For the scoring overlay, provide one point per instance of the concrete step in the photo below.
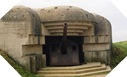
(84, 66)
(103, 67)
(73, 73)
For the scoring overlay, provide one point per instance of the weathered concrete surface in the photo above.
(101, 41)
(35, 62)
(15, 28)
(64, 13)
(75, 28)
(31, 49)
(74, 71)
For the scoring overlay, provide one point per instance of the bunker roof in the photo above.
(20, 13)
(65, 13)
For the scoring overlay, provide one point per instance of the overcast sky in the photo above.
(102, 7)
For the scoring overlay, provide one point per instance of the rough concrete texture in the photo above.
(15, 28)
(35, 62)
(23, 32)
(102, 40)
(74, 71)
(31, 49)
(65, 13)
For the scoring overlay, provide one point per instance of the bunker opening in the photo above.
(55, 57)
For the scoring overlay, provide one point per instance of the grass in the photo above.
(122, 43)
(17, 67)
(119, 53)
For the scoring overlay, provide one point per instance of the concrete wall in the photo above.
(35, 62)
(12, 36)
(97, 56)
(31, 49)
(98, 47)
(15, 28)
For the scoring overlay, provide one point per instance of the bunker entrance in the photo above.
(73, 56)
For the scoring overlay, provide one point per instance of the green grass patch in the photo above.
(122, 43)
(17, 67)
(119, 53)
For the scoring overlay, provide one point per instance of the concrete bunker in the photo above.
(32, 37)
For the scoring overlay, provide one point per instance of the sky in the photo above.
(104, 8)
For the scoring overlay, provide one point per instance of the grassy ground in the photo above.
(122, 43)
(119, 53)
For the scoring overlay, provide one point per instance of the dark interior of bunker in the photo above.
(54, 57)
